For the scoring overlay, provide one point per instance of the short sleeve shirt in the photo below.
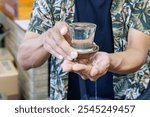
(124, 14)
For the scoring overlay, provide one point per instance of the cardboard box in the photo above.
(5, 55)
(9, 80)
(36, 78)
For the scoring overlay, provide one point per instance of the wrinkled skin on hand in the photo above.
(91, 66)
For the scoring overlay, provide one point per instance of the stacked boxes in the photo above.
(5, 55)
(33, 84)
(8, 80)
(8, 75)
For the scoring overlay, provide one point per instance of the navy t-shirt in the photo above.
(98, 12)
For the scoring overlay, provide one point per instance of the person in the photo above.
(120, 70)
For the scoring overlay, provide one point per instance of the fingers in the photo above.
(56, 44)
(67, 65)
(61, 41)
(62, 27)
(99, 69)
(83, 70)
(83, 76)
(90, 68)
(80, 67)
(94, 71)
(52, 51)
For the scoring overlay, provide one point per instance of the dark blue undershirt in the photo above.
(98, 12)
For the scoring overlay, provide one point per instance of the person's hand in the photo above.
(91, 68)
(57, 41)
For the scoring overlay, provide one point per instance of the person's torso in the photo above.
(125, 86)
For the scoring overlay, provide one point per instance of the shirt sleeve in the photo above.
(41, 17)
(140, 16)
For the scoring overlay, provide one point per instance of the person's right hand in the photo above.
(57, 41)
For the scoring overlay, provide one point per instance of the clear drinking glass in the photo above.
(82, 34)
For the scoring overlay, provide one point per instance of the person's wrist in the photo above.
(110, 67)
(115, 62)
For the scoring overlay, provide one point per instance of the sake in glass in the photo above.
(82, 35)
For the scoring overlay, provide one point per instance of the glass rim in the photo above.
(83, 24)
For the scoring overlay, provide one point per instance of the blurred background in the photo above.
(17, 9)
(15, 83)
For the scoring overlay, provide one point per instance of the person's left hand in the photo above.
(91, 68)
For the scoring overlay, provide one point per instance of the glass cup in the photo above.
(82, 35)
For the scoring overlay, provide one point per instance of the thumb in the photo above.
(62, 27)
(64, 30)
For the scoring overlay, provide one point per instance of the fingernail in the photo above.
(63, 30)
(74, 55)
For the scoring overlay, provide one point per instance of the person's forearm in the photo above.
(126, 62)
(31, 53)
(135, 55)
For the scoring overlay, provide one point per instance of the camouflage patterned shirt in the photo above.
(125, 14)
